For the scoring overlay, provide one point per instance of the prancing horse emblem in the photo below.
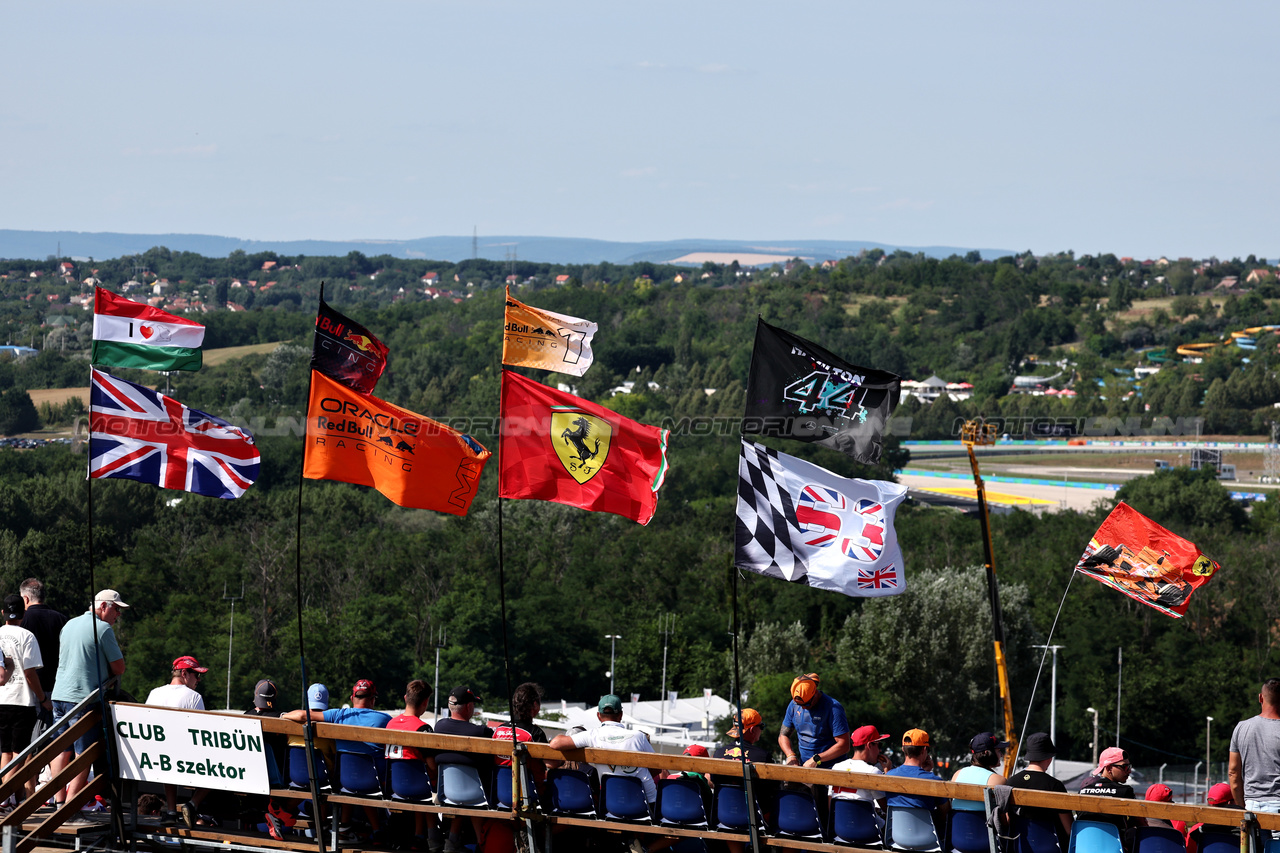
(581, 442)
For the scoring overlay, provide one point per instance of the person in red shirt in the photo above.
(1160, 793)
(426, 829)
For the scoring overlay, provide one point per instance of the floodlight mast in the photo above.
(979, 434)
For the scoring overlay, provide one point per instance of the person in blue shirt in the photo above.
(916, 764)
(820, 723)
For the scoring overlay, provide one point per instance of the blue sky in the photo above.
(1140, 128)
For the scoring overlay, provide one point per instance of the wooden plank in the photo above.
(400, 805)
(70, 808)
(60, 744)
(30, 805)
(223, 835)
(646, 828)
(799, 844)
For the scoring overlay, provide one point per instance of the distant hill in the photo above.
(563, 250)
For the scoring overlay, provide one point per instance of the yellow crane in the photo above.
(978, 434)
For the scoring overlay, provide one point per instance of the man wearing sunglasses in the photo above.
(1108, 780)
(180, 693)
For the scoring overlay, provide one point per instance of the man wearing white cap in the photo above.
(83, 665)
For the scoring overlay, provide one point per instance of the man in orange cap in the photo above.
(915, 748)
(819, 721)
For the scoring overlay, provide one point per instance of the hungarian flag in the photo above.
(1133, 554)
(535, 337)
(139, 434)
(801, 523)
(557, 447)
(346, 351)
(132, 334)
(801, 391)
(414, 461)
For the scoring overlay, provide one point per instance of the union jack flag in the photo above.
(878, 578)
(139, 434)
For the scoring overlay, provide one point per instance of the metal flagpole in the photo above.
(308, 726)
(747, 790)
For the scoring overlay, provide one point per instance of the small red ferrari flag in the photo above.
(558, 447)
(413, 460)
(1133, 554)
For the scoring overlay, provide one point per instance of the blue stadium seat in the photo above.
(853, 822)
(299, 778)
(1219, 842)
(967, 832)
(907, 828)
(797, 815)
(572, 793)
(1095, 836)
(408, 780)
(360, 773)
(622, 798)
(1036, 836)
(461, 785)
(502, 788)
(680, 803)
(1159, 839)
(731, 812)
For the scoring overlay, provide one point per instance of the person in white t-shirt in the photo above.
(21, 695)
(180, 693)
(612, 734)
(866, 759)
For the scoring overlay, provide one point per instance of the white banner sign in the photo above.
(196, 750)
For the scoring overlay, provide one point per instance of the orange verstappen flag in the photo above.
(558, 447)
(534, 337)
(414, 461)
(1133, 554)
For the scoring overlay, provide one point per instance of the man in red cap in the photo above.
(1219, 795)
(867, 758)
(1161, 793)
(180, 693)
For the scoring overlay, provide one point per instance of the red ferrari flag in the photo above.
(1133, 554)
(558, 447)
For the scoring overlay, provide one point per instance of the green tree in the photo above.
(17, 412)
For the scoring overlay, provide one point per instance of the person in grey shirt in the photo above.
(1254, 765)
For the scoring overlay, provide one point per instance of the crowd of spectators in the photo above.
(814, 732)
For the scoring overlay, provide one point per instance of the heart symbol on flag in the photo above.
(147, 331)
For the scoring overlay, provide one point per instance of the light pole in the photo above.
(1053, 703)
(1093, 711)
(613, 644)
(1119, 684)
(435, 696)
(1208, 764)
(666, 622)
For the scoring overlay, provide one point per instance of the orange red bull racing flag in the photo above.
(1133, 554)
(535, 337)
(558, 447)
(346, 351)
(414, 461)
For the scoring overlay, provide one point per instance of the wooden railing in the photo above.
(773, 773)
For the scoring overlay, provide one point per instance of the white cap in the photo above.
(109, 596)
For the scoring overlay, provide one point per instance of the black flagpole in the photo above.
(747, 788)
(308, 727)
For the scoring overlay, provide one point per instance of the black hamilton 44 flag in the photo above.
(347, 351)
(802, 391)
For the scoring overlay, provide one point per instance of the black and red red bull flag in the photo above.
(801, 391)
(412, 460)
(346, 351)
(558, 447)
(1133, 554)
(801, 523)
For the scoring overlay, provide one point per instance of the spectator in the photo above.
(820, 722)
(425, 828)
(916, 746)
(1254, 761)
(264, 705)
(1160, 793)
(526, 702)
(750, 727)
(83, 666)
(326, 749)
(180, 693)
(46, 623)
(462, 706)
(867, 758)
(985, 754)
(1108, 780)
(23, 692)
(361, 713)
(1219, 795)
(1039, 753)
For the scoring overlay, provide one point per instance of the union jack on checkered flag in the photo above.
(804, 524)
(139, 434)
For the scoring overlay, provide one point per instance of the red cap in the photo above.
(1220, 794)
(188, 662)
(696, 749)
(865, 735)
(1160, 793)
(363, 688)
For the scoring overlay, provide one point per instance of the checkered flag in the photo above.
(801, 523)
(766, 528)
